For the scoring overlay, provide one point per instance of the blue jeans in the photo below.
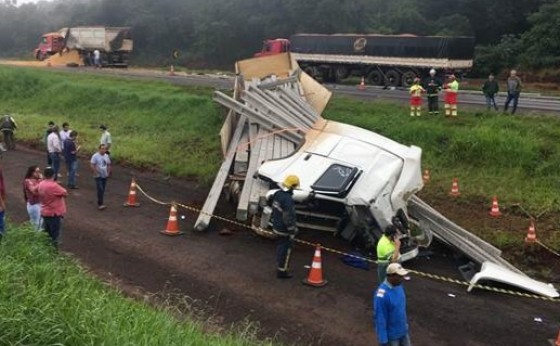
(514, 96)
(491, 102)
(72, 167)
(55, 161)
(100, 185)
(34, 211)
(53, 226)
(404, 341)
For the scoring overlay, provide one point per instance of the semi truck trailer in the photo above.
(391, 60)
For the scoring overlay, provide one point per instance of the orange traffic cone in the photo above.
(531, 234)
(362, 85)
(315, 277)
(426, 176)
(49, 64)
(557, 342)
(455, 188)
(171, 70)
(172, 225)
(495, 211)
(131, 201)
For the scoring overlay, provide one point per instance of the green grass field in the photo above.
(46, 299)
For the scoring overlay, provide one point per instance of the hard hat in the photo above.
(432, 71)
(291, 182)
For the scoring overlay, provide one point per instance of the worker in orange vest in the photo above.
(416, 91)
(451, 89)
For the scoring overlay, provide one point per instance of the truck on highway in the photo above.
(114, 43)
(391, 60)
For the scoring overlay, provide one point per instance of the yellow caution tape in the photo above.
(338, 252)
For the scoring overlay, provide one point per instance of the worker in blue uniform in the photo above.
(284, 224)
(389, 303)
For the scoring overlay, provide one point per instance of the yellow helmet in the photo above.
(291, 182)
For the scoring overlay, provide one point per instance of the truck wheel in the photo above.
(341, 72)
(408, 78)
(392, 78)
(375, 78)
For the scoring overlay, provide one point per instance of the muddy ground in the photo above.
(233, 276)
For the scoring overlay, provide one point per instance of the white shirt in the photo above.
(96, 54)
(53, 143)
(106, 139)
(64, 135)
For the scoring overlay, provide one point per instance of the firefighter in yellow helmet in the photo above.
(284, 224)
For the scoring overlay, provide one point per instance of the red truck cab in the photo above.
(50, 44)
(276, 46)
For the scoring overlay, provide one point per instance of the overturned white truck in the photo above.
(354, 182)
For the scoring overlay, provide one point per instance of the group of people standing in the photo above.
(433, 85)
(44, 194)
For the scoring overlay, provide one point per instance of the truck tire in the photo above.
(392, 78)
(408, 78)
(375, 77)
(341, 72)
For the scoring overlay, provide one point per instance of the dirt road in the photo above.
(234, 275)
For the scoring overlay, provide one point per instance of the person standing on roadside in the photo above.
(31, 194)
(389, 302)
(284, 224)
(8, 126)
(388, 251)
(433, 86)
(106, 139)
(490, 88)
(45, 140)
(101, 167)
(70, 152)
(97, 58)
(514, 87)
(416, 91)
(53, 205)
(451, 90)
(54, 146)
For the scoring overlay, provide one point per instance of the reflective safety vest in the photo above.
(451, 92)
(385, 249)
(416, 90)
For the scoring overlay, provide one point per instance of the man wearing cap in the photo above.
(105, 139)
(284, 224)
(389, 303)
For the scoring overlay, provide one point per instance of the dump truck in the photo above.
(390, 60)
(114, 43)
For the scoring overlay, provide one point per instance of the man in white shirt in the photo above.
(97, 58)
(106, 139)
(54, 147)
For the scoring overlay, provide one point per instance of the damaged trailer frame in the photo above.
(354, 182)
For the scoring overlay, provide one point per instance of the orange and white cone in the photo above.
(315, 277)
(531, 234)
(362, 85)
(426, 176)
(131, 200)
(171, 70)
(172, 224)
(495, 211)
(455, 188)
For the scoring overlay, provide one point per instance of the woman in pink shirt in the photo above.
(53, 205)
(31, 194)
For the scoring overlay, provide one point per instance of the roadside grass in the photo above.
(49, 299)
(515, 158)
(153, 124)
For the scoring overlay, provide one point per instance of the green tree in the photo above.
(542, 42)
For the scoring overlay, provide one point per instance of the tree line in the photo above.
(215, 33)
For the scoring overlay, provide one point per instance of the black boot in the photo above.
(282, 274)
